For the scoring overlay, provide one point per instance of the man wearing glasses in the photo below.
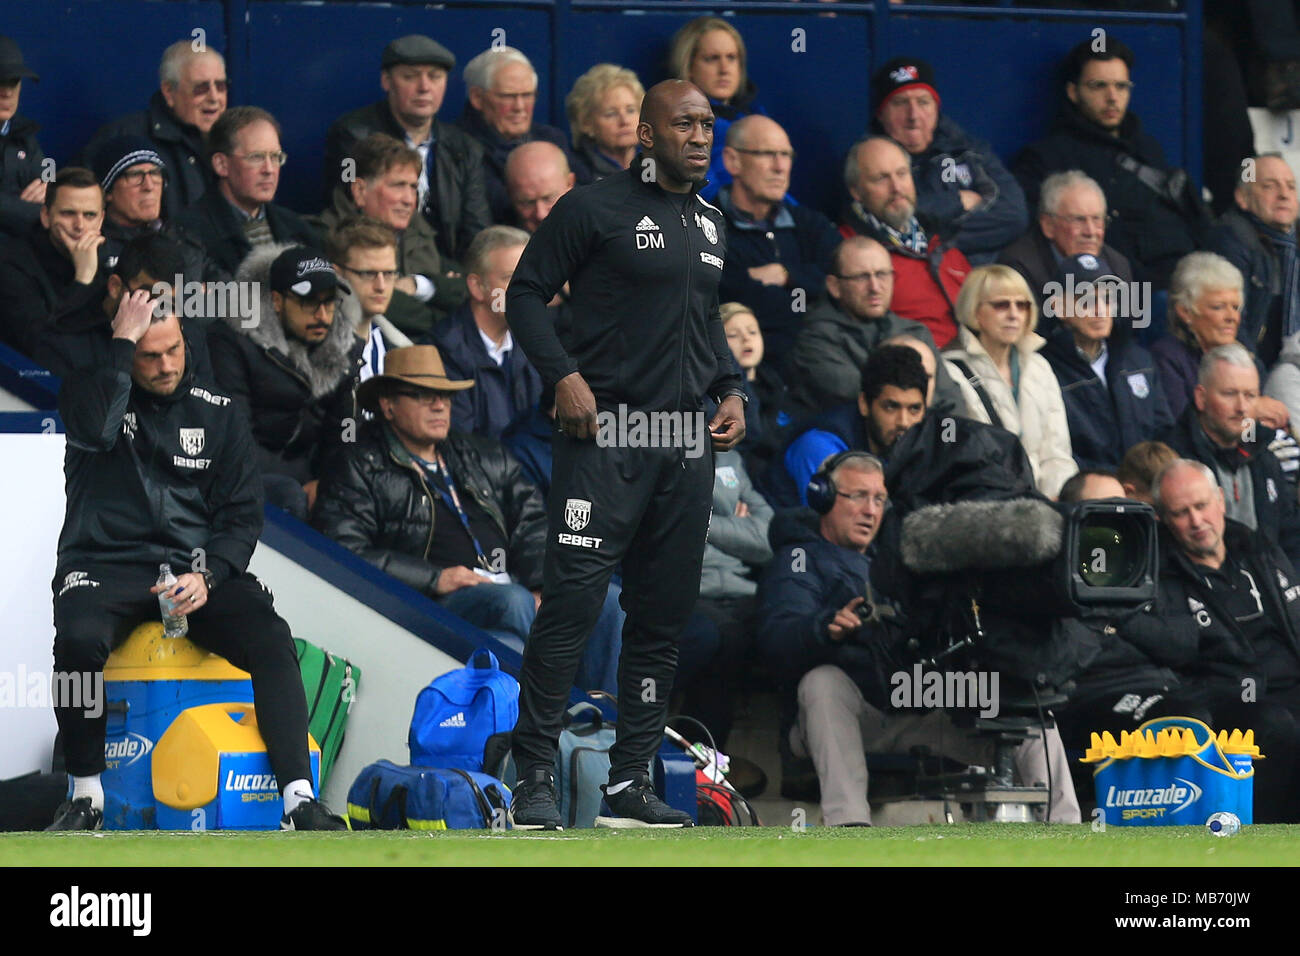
(839, 334)
(133, 175)
(778, 253)
(239, 215)
(1243, 593)
(289, 366)
(1156, 214)
(1071, 222)
(191, 96)
(502, 88)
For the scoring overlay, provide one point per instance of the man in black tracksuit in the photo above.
(159, 468)
(643, 255)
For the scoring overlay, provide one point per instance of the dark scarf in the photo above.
(1284, 245)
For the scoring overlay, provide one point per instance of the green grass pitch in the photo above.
(961, 845)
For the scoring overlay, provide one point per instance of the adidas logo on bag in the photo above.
(455, 720)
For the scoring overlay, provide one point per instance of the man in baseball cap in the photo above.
(290, 365)
(961, 184)
(413, 76)
(22, 190)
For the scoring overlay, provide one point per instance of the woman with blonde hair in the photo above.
(709, 52)
(1003, 379)
(604, 108)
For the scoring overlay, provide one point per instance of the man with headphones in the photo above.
(828, 637)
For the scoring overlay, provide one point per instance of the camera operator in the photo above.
(821, 630)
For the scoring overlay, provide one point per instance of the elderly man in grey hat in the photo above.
(22, 188)
(413, 75)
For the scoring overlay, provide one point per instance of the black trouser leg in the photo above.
(95, 609)
(239, 623)
(614, 487)
(661, 582)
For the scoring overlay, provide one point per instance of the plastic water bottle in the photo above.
(174, 625)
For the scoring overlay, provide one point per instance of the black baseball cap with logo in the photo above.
(303, 270)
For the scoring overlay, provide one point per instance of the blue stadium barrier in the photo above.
(309, 62)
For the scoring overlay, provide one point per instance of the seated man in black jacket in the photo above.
(1219, 430)
(237, 215)
(446, 513)
(22, 185)
(57, 261)
(821, 630)
(159, 467)
(291, 365)
(1243, 653)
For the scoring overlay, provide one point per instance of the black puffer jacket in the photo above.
(375, 501)
(295, 396)
(20, 163)
(179, 144)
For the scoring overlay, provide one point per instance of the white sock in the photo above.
(617, 788)
(297, 793)
(89, 787)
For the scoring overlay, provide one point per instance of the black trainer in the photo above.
(76, 815)
(532, 806)
(637, 805)
(313, 815)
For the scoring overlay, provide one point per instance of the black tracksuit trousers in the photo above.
(648, 508)
(238, 622)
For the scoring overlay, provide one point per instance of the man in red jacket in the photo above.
(928, 271)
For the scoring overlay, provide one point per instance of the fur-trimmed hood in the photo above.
(325, 364)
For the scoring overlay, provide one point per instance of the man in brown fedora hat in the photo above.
(447, 513)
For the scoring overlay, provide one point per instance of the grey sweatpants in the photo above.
(837, 728)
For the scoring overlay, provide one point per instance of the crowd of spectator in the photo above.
(1080, 297)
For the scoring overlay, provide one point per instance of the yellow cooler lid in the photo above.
(147, 655)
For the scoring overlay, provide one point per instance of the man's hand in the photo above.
(771, 274)
(34, 191)
(742, 510)
(1271, 413)
(188, 594)
(453, 579)
(405, 284)
(728, 425)
(537, 599)
(969, 199)
(845, 621)
(575, 407)
(85, 257)
(134, 313)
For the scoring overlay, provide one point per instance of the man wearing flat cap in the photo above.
(289, 366)
(961, 185)
(22, 190)
(447, 513)
(452, 197)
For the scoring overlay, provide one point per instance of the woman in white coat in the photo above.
(1003, 379)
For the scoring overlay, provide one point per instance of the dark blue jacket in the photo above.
(1108, 418)
(799, 238)
(528, 439)
(956, 161)
(21, 161)
(807, 581)
(501, 393)
(1277, 517)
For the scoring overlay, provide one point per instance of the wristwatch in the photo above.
(738, 392)
(209, 579)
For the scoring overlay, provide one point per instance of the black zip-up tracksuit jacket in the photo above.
(150, 478)
(639, 334)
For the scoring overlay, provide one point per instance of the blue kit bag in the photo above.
(456, 714)
(388, 797)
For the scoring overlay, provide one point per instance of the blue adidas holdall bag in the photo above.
(388, 797)
(456, 714)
